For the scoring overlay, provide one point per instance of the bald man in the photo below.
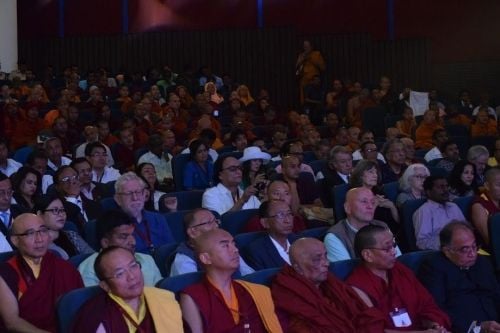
(33, 280)
(314, 299)
(220, 304)
(360, 205)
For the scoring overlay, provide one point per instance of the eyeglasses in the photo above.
(30, 234)
(56, 211)
(216, 221)
(6, 193)
(280, 216)
(385, 249)
(121, 273)
(68, 179)
(465, 249)
(131, 193)
(233, 168)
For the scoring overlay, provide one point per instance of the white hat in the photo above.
(254, 153)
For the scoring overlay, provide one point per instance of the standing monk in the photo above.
(310, 63)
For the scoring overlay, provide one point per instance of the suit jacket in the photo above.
(326, 185)
(464, 294)
(15, 211)
(261, 253)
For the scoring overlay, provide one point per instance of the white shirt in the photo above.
(433, 154)
(281, 251)
(64, 161)
(109, 175)
(219, 199)
(47, 180)
(162, 167)
(80, 152)
(12, 167)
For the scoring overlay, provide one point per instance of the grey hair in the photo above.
(126, 177)
(477, 151)
(404, 181)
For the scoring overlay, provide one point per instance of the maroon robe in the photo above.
(403, 291)
(102, 309)
(37, 304)
(216, 316)
(333, 307)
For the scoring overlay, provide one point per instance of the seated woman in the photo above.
(199, 171)
(147, 172)
(215, 99)
(411, 183)
(66, 243)
(487, 204)
(367, 174)
(254, 171)
(26, 183)
(461, 180)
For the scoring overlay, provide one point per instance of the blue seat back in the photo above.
(175, 222)
(339, 195)
(317, 165)
(178, 165)
(264, 276)
(309, 156)
(413, 260)
(89, 231)
(244, 239)
(409, 207)
(391, 190)
(4, 256)
(186, 200)
(78, 259)
(69, 305)
(343, 268)
(21, 154)
(234, 222)
(109, 204)
(465, 205)
(318, 233)
(162, 255)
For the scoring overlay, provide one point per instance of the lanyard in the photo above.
(145, 237)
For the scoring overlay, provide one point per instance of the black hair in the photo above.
(446, 234)
(429, 182)
(110, 220)
(365, 238)
(455, 180)
(91, 146)
(194, 146)
(98, 268)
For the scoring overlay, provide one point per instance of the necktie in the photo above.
(5, 216)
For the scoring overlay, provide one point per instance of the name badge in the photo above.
(400, 317)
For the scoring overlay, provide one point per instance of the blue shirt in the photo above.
(152, 232)
(195, 178)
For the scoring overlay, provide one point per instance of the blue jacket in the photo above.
(159, 232)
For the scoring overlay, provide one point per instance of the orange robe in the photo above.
(489, 129)
(423, 135)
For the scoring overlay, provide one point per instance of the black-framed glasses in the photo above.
(56, 211)
(216, 221)
(385, 249)
(131, 193)
(281, 216)
(233, 168)
(31, 234)
(68, 179)
(121, 273)
(464, 249)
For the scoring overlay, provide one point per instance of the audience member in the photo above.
(409, 148)
(38, 160)
(461, 180)
(411, 184)
(54, 151)
(478, 155)
(115, 228)
(484, 125)
(392, 288)
(91, 190)
(439, 136)
(336, 172)
(254, 171)
(8, 166)
(430, 218)
(26, 183)
(199, 171)
(96, 153)
(395, 157)
(451, 155)
(91, 134)
(407, 125)
(8, 211)
(495, 159)
(158, 157)
(424, 132)
(220, 304)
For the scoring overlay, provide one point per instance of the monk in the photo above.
(391, 287)
(125, 305)
(423, 134)
(220, 304)
(315, 300)
(484, 125)
(33, 279)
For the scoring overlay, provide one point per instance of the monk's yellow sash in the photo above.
(164, 310)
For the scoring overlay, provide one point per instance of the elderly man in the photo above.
(337, 172)
(360, 207)
(315, 300)
(115, 228)
(479, 155)
(220, 304)
(435, 213)
(392, 288)
(395, 157)
(32, 281)
(271, 250)
(462, 282)
(151, 229)
(96, 153)
(227, 194)
(196, 223)
(124, 304)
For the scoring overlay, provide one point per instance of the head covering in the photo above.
(254, 153)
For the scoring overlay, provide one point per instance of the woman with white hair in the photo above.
(411, 183)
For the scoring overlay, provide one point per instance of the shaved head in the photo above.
(206, 241)
(308, 258)
(20, 223)
(217, 252)
(301, 249)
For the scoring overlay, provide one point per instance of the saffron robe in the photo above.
(37, 303)
(333, 307)
(403, 291)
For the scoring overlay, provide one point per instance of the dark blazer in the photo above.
(465, 295)
(326, 185)
(15, 211)
(261, 253)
